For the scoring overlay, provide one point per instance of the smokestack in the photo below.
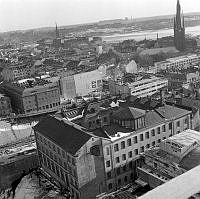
(161, 97)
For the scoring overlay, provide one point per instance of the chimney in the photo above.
(161, 97)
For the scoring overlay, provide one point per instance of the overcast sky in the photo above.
(26, 14)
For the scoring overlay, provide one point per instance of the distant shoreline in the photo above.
(150, 34)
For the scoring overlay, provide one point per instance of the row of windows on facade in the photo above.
(49, 106)
(58, 160)
(119, 181)
(29, 100)
(56, 149)
(135, 152)
(57, 170)
(135, 124)
(135, 139)
(155, 85)
(120, 170)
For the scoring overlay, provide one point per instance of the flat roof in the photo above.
(180, 187)
(185, 138)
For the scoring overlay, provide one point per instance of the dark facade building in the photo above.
(179, 29)
(5, 105)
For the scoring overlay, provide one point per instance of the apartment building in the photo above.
(140, 88)
(132, 135)
(108, 158)
(131, 132)
(33, 95)
(174, 156)
(5, 105)
(72, 156)
(178, 62)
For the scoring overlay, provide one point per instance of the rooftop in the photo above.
(177, 187)
(128, 113)
(185, 138)
(190, 157)
(69, 136)
(31, 82)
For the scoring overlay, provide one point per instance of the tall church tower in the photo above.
(179, 29)
(57, 31)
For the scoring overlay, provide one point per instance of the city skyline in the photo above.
(22, 15)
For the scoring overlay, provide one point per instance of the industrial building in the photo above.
(173, 157)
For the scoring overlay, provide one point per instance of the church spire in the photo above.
(57, 32)
(179, 29)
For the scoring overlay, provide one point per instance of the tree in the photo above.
(145, 60)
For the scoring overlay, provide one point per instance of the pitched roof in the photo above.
(69, 136)
(169, 112)
(128, 113)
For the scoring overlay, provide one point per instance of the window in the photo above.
(105, 119)
(124, 168)
(117, 159)
(119, 182)
(118, 171)
(136, 151)
(158, 130)
(159, 140)
(186, 120)
(135, 140)
(107, 151)
(153, 132)
(178, 124)
(109, 175)
(108, 163)
(123, 156)
(125, 179)
(131, 176)
(116, 147)
(147, 135)
(163, 128)
(142, 149)
(148, 146)
(98, 121)
(155, 165)
(130, 165)
(141, 137)
(129, 142)
(153, 143)
(123, 145)
(110, 186)
(130, 154)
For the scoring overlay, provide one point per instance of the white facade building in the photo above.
(81, 84)
(147, 87)
(178, 62)
(122, 152)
